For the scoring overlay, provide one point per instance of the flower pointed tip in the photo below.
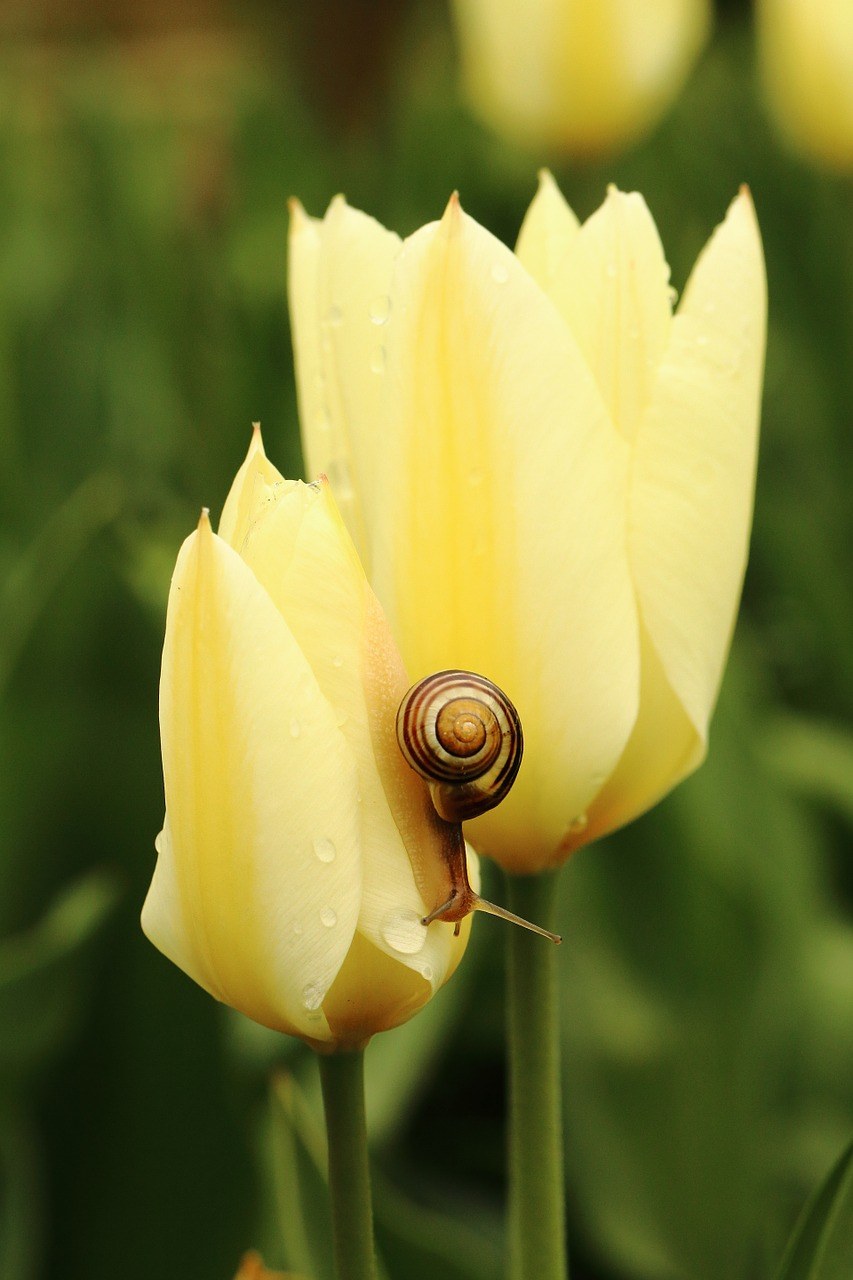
(453, 213)
(204, 521)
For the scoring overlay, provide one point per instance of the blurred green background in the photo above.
(146, 155)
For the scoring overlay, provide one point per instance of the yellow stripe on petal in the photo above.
(500, 527)
(259, 784)
(694, 466)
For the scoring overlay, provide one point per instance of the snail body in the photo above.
(463, 735)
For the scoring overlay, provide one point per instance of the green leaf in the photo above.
(41, 975)
(814, 758)
(821, 1247)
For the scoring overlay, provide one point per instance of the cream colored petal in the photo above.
(664, 747)
(693, 476)
(501, 536)
(806, 55)
(339, 276)
(256, 486)
(611, 287)
(320, 588)
(549, 227)
(259, 783)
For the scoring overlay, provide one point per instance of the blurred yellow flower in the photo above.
(583, 77)
(806, 51)
(299, 851)
(549, 475)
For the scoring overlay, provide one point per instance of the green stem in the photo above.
(342, 1078)
(537, 1233)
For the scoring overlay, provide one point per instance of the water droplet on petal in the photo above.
(295, 728)
(500, 274)
(403, 931)
(380, 309)
(672, 294)
(578, 824)
(328, 917)
(325, 849)
(426, 972)
(340, 478)
(337, 661)
(312, 996)
(377, 360)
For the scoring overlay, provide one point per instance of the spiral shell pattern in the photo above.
(461, 732)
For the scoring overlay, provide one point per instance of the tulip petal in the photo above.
(244, 898)
(339, 276)
(611, 288)
(549, 227)
(257, 486)
(321, 590)
(694, 465)
(500, 534)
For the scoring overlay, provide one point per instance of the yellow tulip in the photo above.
(550, 476)
(299, 852)
(806, 50)
(579, 76)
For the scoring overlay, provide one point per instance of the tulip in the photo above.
(298, 853)
(550, 476)
(583, 77)
(806, 50)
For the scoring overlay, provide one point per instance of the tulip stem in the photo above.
(342, 1078)
(537, 1233)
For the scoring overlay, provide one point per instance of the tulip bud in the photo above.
(580, 78)
(299, 854)
(806, 49)
(551, 478)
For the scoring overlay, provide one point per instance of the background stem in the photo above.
(342, 1078)
(536, 1194)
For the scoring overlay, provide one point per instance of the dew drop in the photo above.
(426, 972)
(672, 294)
(337, 661)
(312, 996)
(403, 931)
(295, 728)
(335, 315)
(578, 824)
(500, 274)
(328, 917)
(325, 849)
(380, 309)
(377, 359)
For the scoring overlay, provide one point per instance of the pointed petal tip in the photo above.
(204, 521)
(452, 212)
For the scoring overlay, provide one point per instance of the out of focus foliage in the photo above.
(708, 961)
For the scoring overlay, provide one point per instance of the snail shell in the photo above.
(462, 734)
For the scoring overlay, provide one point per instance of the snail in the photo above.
(462, 734)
